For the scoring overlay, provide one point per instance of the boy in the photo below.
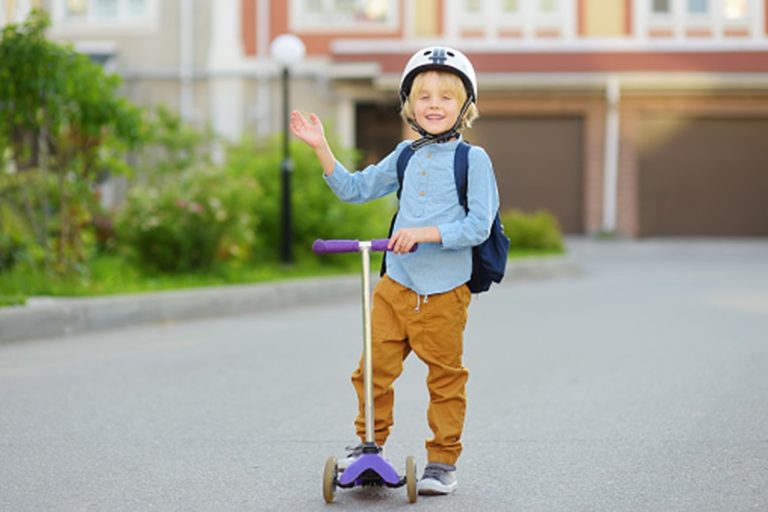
(421, 303)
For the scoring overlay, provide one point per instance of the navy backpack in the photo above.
(489, 259)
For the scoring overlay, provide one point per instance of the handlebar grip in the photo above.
(341, 246)
(380, 244)
(335, 246)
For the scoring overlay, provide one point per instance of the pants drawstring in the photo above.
(418, 301)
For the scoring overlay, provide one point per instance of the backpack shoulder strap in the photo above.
(460, 172)
(402, 162)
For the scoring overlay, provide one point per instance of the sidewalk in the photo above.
(45, 317)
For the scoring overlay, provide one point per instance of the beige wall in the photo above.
(425, 21)
(604, 18)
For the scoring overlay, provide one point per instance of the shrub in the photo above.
(61, 118)
(194, 221)
(539, 231)
(12, 249)
(29, 224)
(317, 212)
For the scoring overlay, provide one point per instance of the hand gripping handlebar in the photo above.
(340, 246)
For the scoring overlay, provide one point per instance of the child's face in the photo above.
(436, 104)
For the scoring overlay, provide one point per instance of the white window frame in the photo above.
(302, 22)
(63, 23)
(17, 12)
(493, 18)
(679, 20)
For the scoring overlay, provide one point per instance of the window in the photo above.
(314, 6)
(346, 14)
(735, 10)
(473, 5)
(661, 6)
(513, 19)
(72, 17)
(137, 7)
(701, 19)
(548, 6)
(698, 6)
(105, 10)
(510, 6)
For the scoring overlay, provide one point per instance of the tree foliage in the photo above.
(62, 125)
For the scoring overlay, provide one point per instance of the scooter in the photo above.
(371, 468)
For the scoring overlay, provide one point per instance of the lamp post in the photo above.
(286, 50)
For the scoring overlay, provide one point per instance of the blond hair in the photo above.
(448, 81)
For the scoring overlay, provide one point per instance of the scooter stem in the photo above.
(365, 252)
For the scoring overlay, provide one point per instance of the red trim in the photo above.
(765, 26)
(440, 18)
(733, 61)
(248, 26)
(628, 17)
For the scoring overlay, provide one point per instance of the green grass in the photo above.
(12, 300)
(111, 274)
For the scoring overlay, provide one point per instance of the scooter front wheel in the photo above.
(330, 475)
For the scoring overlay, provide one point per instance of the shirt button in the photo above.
(423, 173)
(421, 194)
(429, 155)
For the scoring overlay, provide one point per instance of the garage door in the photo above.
(378, 130)
(538, 163)
(703, 176)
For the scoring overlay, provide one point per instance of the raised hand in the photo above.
(310, 131)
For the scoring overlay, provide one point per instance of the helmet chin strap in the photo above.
(429, 138)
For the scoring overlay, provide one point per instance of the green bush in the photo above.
(539, 231)
(12, 249)
(317, 212)
(62, 125)
(29, 224)
(192, 222)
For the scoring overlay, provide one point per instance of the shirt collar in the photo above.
(446, 147)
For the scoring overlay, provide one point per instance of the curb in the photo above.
(44, 317)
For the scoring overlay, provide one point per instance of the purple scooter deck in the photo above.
(374, 462)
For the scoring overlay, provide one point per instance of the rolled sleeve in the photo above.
(371, 183)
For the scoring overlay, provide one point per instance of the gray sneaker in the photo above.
(438, 479)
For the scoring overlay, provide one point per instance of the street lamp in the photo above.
(286, 50)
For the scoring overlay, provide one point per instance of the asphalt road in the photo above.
(639, 385)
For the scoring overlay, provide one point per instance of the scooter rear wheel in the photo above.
(330, 475)
(410, 478)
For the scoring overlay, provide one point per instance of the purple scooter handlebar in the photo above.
(339, 246)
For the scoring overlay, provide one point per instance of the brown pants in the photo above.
(434, 329)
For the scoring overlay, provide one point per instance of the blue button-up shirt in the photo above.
(429, 198)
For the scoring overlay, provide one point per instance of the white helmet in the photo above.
(439, 58)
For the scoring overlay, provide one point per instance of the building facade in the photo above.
(642, 117)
